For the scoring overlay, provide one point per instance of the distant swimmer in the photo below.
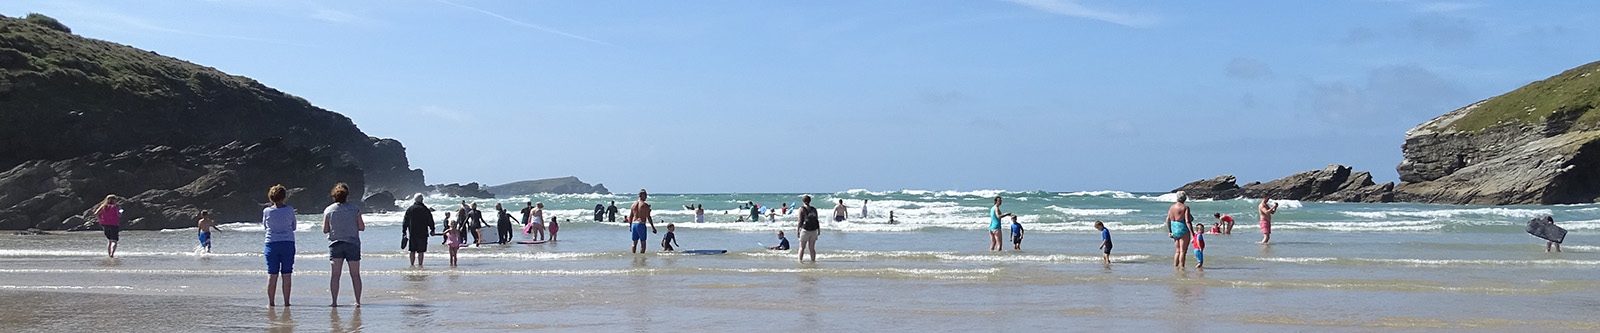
(891, 218)
(840, 212)
(205, 224)
(1224, 223)
(785, 209)
(810, 226)
(994, 225)
(772, 215)
(1179, 222)
(699, 213)
(1266, 217)
(864, 208)
(638, 216)
(783, 243)
(755, 212)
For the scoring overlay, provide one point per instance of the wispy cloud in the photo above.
(1446, 7)
(341, 17)
(526, 24)
(1074, 9)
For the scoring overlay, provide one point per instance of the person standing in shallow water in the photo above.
(638, 215)
(278, 220)
(417, 226)
(995, 215)
(110, 216)
(343, 225)
(1266, 217)
(1179, 224)
(611, 211)
(810, 226)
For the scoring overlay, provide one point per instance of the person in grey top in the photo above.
(342, 222)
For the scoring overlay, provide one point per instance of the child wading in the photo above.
(1105, 241)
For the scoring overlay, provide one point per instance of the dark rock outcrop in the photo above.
(166, 187)
(1334, 183)
(63, 96)
(1538, 144)
(470, 190)
(380, 202)
(1220, 188)
(563, 185)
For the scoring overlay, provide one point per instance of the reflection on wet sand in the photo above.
(336, 324)
(280, 319)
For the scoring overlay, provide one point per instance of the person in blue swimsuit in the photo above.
(994, 225)
(206, 225)
(1179, 222)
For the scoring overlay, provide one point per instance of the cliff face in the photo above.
(64, 96)
(563, 185)
(1539, 144)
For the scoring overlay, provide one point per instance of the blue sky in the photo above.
(768, 96)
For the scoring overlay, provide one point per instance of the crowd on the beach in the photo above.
(343, 224)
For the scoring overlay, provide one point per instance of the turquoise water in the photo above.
(1332, 265)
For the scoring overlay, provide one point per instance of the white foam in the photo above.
(1409, 262)
(1104, 193)
(1452, 213)
(1092, 212)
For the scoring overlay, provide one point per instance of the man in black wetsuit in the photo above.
(611, 211)
(477, 224)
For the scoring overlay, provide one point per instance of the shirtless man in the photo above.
(1179, 223)
(1266, 217)
(840, 212)
(638, 216)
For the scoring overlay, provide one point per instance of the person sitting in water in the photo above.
(670, 240)
(1224, 223)
(783, 243)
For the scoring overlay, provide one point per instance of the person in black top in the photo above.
(783, 243)
(477, 224)
(611, 211)
(809, 227)
(599, 212)
(503, 223)
(416, 228)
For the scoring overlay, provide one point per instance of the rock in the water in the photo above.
(1538, 144)
(470, 190)
(63, 96)
(1221, 188)
(563, 185)
(1334, 183)
(166, 187)
(380, 202)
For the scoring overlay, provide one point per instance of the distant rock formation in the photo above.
(1333, 183)
(1538, 144)
(167, 188)
(1220, 188)
(470, 190)
(63, 96)
(379, 203)
(563, 185)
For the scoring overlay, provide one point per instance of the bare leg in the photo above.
(288, 284)
(333, 281)
(813, 249)
(1183, 256)
(355, 280)
(420, 256)
(412, 256)
(272, 290)
(111, 249)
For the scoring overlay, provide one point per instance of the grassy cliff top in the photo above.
(1575, 90)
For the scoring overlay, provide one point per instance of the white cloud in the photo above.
(1446, 7)
(1074, 9)
(526, 24)
(341, 17)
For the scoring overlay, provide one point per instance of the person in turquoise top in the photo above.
(994, 225)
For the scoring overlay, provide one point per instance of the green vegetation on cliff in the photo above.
(1569, 96)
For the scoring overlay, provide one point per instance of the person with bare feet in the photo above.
(278, 220)
(1179, 223)
(810, 226)
(638, 216)
(110, 216)
(417, 226)
(994, 225)
(1266, 217)
(343, 225)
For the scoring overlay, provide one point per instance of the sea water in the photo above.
(1330, 265)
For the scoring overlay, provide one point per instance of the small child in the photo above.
(1199, 246)
(1105, 240)
(554, 227)
(671, 239)
(783, 243)
(446, 227)
(206, 225)
(452, 236)
(1016, 234)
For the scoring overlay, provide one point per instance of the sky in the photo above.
(822, 96)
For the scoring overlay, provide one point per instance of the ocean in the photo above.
(1330, 267)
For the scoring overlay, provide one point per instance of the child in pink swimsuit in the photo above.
(452, 237)
(554, 228)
